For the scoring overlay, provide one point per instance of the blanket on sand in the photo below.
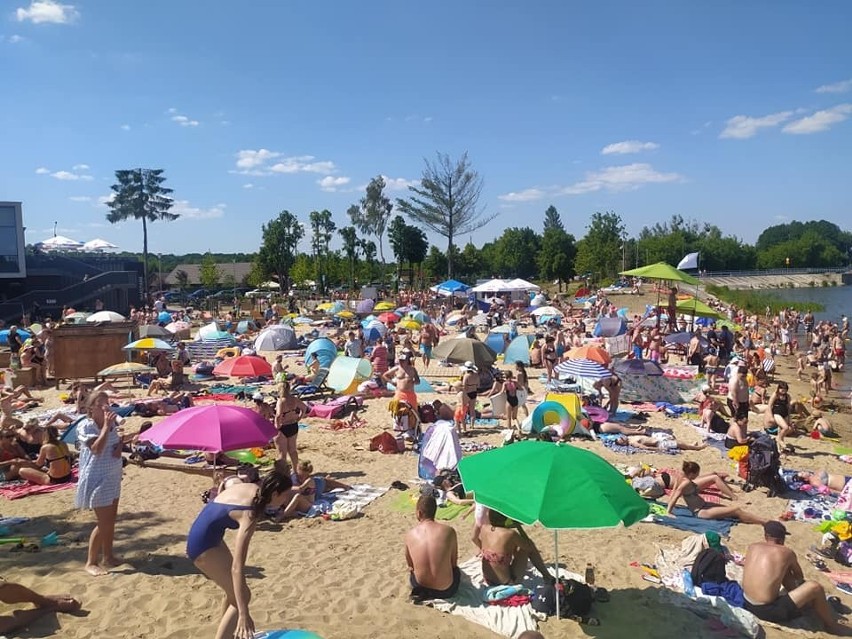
(469, 603)
(406, 502)
(360, 495)
(684, 520)
(21, 488)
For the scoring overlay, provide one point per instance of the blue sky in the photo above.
(737, 113)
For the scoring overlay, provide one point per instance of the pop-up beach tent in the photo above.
(345, 373)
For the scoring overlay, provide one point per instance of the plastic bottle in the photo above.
(688, 586)
(590, 575)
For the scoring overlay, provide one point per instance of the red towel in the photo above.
(16, 490)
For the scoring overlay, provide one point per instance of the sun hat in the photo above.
(468, 365)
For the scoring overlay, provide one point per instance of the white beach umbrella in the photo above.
(547, 310)
(105, 316)
(98, 245)
(60, 243)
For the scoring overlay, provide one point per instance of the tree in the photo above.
(368, 250)
(303, 269)
(447, 200)
(435, 263)
(350, 250)
(208, 273)
(277, 254)
(322, 227)
(552, 219)
(409, 244)
(371, 214)
(182, 278)
(556, 258)
(514, 252)
(396, 238)
(139, 194)
(599, 252)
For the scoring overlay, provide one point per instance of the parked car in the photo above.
(227, 294)
(199, 294)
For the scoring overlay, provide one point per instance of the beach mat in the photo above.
(18, 489)
(406, 501)
(843, 450)
(684, 520)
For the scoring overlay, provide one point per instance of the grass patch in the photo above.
(756, 301)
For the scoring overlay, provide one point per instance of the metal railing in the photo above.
(777, 271)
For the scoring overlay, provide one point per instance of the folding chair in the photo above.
(316, 386)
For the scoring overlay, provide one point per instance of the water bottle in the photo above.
(688, 586)
(590, 575)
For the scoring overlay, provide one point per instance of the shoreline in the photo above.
(776, 282)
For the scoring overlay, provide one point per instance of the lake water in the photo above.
(837, 300)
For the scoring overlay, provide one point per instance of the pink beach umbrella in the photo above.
(212, 428)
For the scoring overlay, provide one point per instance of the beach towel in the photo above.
(684, 520)
(609, 440)
(406, 502)
(469, 603)
(359, 496)
(19, 488)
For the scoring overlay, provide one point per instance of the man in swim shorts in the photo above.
(769, 565)
(432, 553)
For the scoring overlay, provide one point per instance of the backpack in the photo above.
(575, 599)
(427, 414)
(764, 465)
(709, 566)
(385, 443)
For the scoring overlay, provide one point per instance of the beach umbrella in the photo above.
(547, 310)
(697, 308)
(177, 327)
(215, 428)
(403, 310)
(335, 308)
(388, 318)
(347, 315)
(409, 324)
(60, 243)
(105, 316)
(244, 326)
(683, 338)
(149, 344)
(565, 488)
(164, 317)
(503, 328)
(75, 317)
(243, 366)
(365, 306)
(126, 368)
(637, 367)
(324, 306)
(451, 287)
(594, 353)
(459, 350)
(420, 316)
(582, 368)
(4, 335)
(35, 328)
(98, 245)
(376, 325)
(321, 349)
(153, 330)
(662, 271)
(302, 320)
(383, 306)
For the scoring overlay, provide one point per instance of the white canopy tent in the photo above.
(98, 245)
(518, 283)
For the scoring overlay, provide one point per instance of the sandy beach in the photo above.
(348, 580)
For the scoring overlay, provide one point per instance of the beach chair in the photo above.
(316, 386)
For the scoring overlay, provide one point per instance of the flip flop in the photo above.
(845, 588)
(838, 606)
(822, 552)
(817, 563)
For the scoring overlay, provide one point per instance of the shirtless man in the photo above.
(770, 565)
(432, 553)
(428, 339)
(404, 377)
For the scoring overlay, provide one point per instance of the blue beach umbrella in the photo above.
(582, 368)
(164, 317)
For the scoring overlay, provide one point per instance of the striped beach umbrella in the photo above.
(582, 368)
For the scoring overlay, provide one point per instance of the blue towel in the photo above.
(622, 416)
(685, 520)
(730, 591)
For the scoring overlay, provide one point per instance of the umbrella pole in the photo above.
(556, 567)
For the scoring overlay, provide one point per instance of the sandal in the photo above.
(817, 563)
(399, 485)
(838, 606)
(822, 552)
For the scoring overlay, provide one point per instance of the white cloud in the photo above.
(42, 171)
(47, 11)
(331, 184)
(248, 186)
(189, 212)
(303, 164)
(12, 39)
(628, 146)
(619, 178)
(80, 167)
(70, 177)
(103, 200)
(741, 127)
(397, 184)
(80, 198)
(250, 159)
(819, 121)
(184, 120)
(125, 127)
(843, 86)
(260, 162)
(172, 110)
(527, 195)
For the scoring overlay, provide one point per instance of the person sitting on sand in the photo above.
(737, 433)
(768, 566)
(689, 491)
(505, 550)
(13, 458)
(432, 554)
(12, 593)
(307, 487)
(30, 437)
(239, 508)
(657, 441)
(9, 401)
(53, 465)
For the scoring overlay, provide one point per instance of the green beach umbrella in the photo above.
(697, 308)
(662, 271)
(558, 485)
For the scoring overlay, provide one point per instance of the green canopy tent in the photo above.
(558, 485)
(666, 272)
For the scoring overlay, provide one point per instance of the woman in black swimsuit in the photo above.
(549, 356)
(288, 411)
(53, 458)
(777, 415)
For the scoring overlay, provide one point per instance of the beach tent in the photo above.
(491, 286)
(345, 373)
(610, 327)
(209, 329)
(275, 340)
(323, 350)
(538, 300)
(439, 449)
(518, 350)
(4, 336)
(523, 285)
(451, 287)
(496, 341)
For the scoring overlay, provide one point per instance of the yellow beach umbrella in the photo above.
(125, 368)
(409, 324)
(346, 315)
(325, 306)
(384, 306)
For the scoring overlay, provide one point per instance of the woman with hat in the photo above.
(404, 377)
(470, 386)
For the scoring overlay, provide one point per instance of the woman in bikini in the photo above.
(505, 551)
(238, 507)
(548, 354)
(53, 465)
(510, 387)
(523, 383)
(306, 488)
(689, 490)
(470, 385)
(777, 415)
(288, 411)
(404, 377)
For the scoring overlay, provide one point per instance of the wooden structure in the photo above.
(83, 350)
